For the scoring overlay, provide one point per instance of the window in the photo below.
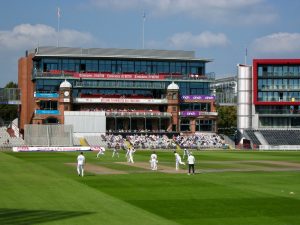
(185, 125)
(260, 71)
(204, 125)
(48, 105)
(270, 71)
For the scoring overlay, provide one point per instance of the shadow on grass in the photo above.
(28, 217)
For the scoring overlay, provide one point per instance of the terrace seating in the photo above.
(95, 141)
(282, 137)
(253, 137)
(6, 140)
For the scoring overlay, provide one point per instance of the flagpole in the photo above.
(144, 18)
(246, 56)
(58, 24)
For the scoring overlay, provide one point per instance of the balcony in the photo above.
(122, 76)
(279, 112)
(121, 100)
(141, 114)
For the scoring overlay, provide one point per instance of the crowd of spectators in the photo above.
(145, 141)
(151, 141)
(201, 140)
(112, 141)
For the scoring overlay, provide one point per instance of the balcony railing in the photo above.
(121, 100)
(278, 99)
(119, 84)
(279, 87)
(138, 114)
(278, 111)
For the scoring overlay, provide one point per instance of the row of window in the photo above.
(120, 66)
(195, 107)
(286, 109)
(268, 84)
(278, 96)
(185, 88)
(269, 70)
(201, 125)
(280, 122)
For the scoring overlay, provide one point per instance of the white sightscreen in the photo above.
(86, 122)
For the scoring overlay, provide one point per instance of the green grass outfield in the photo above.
(230, 188)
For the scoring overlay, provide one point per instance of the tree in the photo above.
(11, 85)
(227, 119)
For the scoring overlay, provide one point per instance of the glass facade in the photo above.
(156, 88)
(204, 125)
(120, 66)
(278, 83)
(279, 122)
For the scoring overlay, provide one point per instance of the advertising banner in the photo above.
(197, 97)
(50, 149)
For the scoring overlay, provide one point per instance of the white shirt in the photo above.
(191, 159)
(102, 149)
(177, 156)
(153, 157)
(80, 159)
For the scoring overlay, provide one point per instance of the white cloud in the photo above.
(203, 40)
(278, 43)
(225, 11)
(28, 36)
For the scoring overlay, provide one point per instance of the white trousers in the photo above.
(178, 161)
(80, 169)
(100, 153)
(153, 164)
(115, 153)
(130, 158)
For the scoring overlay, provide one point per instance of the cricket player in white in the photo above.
(178, 160)
(129, 155)
(80, 164)
(185, 153)
(153, 161)
(101, 151)
(116, 151)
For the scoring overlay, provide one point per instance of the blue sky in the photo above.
(220, 29)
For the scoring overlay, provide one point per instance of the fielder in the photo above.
(116, 151)
(80, 164)
(129, 155)
(153, 161)
(178, 160)
(101, 151)
(185, 153)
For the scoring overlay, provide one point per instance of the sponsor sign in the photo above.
(45, 95)
(109, 75)
(190, 113)
(46, 112)
(120, 100)
(49, 149)
(197, 97)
